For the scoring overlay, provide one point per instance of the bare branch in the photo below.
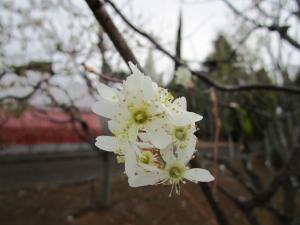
(179, 40)
(35, 88)
(108, 25)
(200, 75)
(101, 75)
(220, 216)
(41, 66)
(281, 30)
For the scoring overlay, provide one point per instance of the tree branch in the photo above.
(114, 34)
(220, 216)
(281, 30)
(200, 75)
(35, 88)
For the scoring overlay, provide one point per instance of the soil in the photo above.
(65, 204)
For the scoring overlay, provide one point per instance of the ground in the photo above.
(57, 205)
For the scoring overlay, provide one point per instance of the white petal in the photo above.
(155, 86)
(180, 103)
(184, 118)
(185, 155)
(119, 95)
(149, 168)
(130, 162)
(148, 89)
(156, 108)
(105, 108)
(144, 137)
(133, 133)
(167, 153)
(159, 138)
(132, 86)
(134, 69)
(198, 175)
(106, 143)
(156, 133)
(145, 179)
(107, 93)
(144, 145)
(113, 126)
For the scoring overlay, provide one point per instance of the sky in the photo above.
(203, 20)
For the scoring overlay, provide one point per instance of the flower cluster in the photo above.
(153, 132)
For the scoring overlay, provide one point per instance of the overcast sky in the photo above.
(201, 21)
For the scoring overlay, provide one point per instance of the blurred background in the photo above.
(236, 62)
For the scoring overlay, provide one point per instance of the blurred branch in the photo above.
(75, 116)
(40, 66)
(281, 30)
(220, 216)
(217, 122)
(105, 67)
(189, 196)
(101, 75)
(35, 88)
(261, 199)
(235, 173)
(112, 31)
(2, 74)
(179, 40)
(278, 180)
(44, 115)
(200, 75)
(247, 212)
(233, 52)
(285, 219)
(297, 13)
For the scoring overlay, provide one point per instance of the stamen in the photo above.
(140, 116)
(180, 134)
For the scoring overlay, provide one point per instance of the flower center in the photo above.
(145, 157)
(175, 172)
(180, 134)
(140, 116)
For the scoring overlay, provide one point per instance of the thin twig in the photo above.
(201, 75)
(215, 112)
(35, 88)
(101, 75)
(112, 31)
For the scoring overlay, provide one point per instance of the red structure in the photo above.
(47, 126)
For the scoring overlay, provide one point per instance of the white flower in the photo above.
(176, 110)
(127, 151)
(183, 77)
(108, 101)
(133, 109)
(174, 172)
(153, 133)
(178, 114)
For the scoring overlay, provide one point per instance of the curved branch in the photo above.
(110, 28)
(200, 75)
(281, 30)
(25, 97)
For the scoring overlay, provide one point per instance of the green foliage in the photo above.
(224, 64)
